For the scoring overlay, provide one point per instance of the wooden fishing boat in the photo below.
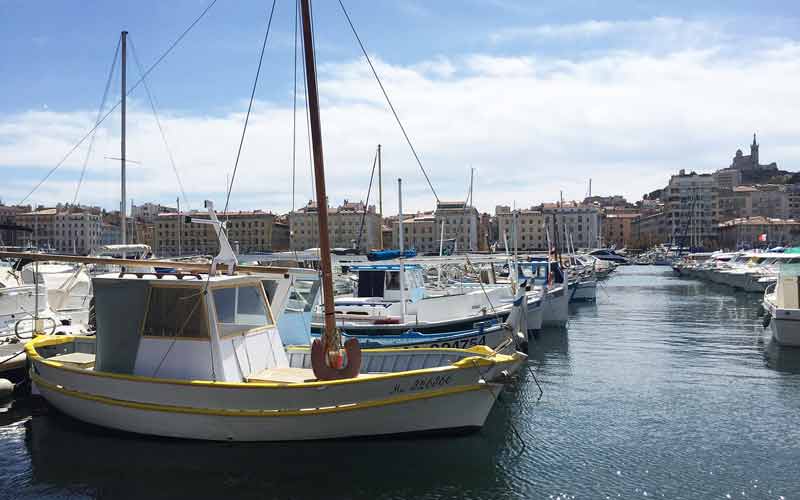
(199, 355)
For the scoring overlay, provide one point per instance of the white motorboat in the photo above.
(782, 304)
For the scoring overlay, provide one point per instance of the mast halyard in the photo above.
(333, 364)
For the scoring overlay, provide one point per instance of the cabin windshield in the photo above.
(537, 272)
(175, 312)
(240, 309)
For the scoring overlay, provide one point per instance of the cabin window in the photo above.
(240, 309)
(176, 313)
(393, 280)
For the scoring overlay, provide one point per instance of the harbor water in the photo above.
(666, 388)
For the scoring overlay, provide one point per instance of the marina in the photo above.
(295, 332)
(664, 377)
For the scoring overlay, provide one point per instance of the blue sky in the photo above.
(537, 96)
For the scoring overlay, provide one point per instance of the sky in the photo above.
(537, 97)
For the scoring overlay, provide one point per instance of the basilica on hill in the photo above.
(750, 162)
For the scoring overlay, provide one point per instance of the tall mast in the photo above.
(402, 250)
(380, 198)
(123, 203)
(331, 341)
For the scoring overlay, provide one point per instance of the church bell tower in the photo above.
(754, 152)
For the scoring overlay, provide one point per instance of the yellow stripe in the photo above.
(259, 413)
(462, 364)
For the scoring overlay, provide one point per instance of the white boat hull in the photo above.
(456, 411)
(555, 310)
(398, 391)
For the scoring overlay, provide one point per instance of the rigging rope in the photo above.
(113, 108)
(249, 107)
(388, 101)
(99, 114)
(158, 123)
(366, 205)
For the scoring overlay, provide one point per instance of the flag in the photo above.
(762, 237)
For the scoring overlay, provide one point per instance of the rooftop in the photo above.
(759, 221)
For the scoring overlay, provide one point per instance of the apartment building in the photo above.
(691, 210)
(74, 233)
(618, 229)
(525, 229)
(755, 232)
(250, 232)
(460, 224)
(583, 223)
(350, 225)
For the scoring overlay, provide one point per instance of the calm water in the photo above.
(667, 388)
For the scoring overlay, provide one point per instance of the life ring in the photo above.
(16, 328)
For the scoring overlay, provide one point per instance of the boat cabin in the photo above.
(541, 272)
(383, 281)
(186, 326)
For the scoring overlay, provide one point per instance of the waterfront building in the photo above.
(754, 232)
(76, 233)
(8, 221)
(528, 225)
(582, 222)
(419, 232)
(691, 209)
(250, 232)
(460, 224)
(618, 228)
(346, 224)
(147, 212)
(650, 229)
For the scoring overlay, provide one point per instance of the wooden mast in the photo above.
(327, 358)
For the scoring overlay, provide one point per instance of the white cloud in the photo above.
(664, 31)
(530, 126)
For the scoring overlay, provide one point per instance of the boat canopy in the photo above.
(391, 254)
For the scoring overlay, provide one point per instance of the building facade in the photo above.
(618, 229)
(524, 228)
(147, 212)
(350, 225)
(250, 232)
(460, 224)
(690, 206)
(755, 232)
(651, 229)
(75, 233)
(419, 232)
(583, 224)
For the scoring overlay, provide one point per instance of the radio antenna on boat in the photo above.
(328, 359)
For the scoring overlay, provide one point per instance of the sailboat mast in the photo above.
(402, 274)
(380, 198)
(123, 92)
(330, 337)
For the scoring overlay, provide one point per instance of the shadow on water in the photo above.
(782, 358)
(69, 455)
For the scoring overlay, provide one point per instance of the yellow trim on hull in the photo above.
(258, 413)
(462, 364)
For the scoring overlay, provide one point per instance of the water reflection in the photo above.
(782, 358)
(666, 386)
(68, 454)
